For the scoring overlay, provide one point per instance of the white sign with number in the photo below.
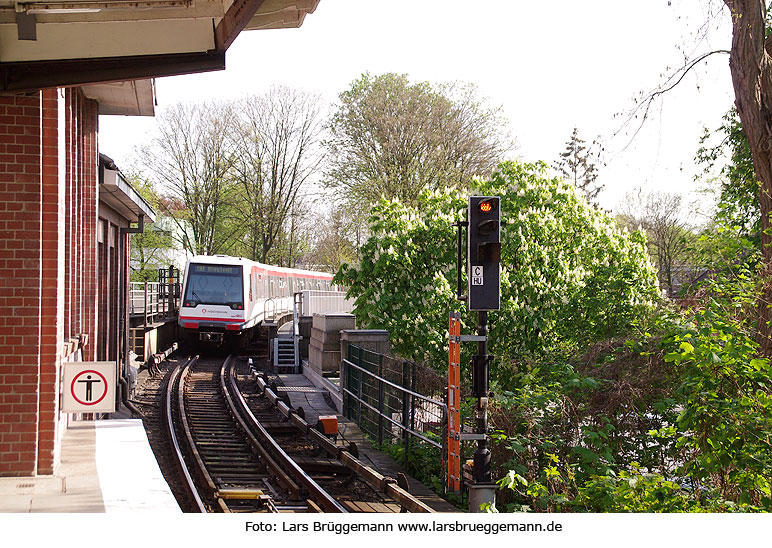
(477, 275)
(89, 387)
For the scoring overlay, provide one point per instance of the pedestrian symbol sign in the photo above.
(88, 387)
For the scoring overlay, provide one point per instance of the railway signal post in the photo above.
(483, 294)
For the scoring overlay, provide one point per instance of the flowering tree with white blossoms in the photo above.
(569, 276)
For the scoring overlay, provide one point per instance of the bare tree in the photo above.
(670, 239)
(577, 164)
(336, 241)
(190, 160)
(277, 139)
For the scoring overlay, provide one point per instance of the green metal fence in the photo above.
(383, 396)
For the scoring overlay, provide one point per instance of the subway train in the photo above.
(225, 298)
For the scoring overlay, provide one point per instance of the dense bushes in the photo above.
(677, 420)
(607, 399)
(569, 276)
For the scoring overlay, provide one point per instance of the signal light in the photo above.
(483, 253)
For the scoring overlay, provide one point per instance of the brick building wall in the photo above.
(20, 282)
(48, 281)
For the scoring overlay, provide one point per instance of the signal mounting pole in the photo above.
(483, 295)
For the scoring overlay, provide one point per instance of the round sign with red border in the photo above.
(88, 382)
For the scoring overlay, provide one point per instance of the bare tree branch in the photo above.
(643, 106)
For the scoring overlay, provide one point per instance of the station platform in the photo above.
(107, 466)
(315, 402)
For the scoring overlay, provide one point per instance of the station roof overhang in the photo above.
(117, 192)
(127, 98)
(54, 43)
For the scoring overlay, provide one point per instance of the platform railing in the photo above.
(316, 301)
(152, 300)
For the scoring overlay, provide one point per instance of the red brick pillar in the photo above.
(90, 184)
(20, 282)
(51, 274)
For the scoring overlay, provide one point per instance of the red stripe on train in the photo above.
(212, 319)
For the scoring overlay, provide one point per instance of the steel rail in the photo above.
(250, 424)
(178, 456)
(263, 454)
(186, 444)
(203, 473)
(377, 481)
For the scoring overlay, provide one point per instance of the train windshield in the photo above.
(215, 284)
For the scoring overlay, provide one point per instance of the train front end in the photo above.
(213, 307)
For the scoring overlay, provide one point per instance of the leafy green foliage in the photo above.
(670, 240)
(675, 421)
(738, 197)
(569, 276)
(392, 138)
(725, 425)
(149, 249)
(424, 460)
(637, 491)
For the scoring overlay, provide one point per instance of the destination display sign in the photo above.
(216, 269)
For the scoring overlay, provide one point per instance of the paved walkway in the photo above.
(106, 466)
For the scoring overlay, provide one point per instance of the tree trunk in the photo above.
(751, 68)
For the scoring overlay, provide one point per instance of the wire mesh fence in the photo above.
(400, 405)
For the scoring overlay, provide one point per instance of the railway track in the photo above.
(242, 449)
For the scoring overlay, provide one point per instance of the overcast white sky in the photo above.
(550, 66)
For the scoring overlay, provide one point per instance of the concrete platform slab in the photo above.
(106, 466)
(128, 471)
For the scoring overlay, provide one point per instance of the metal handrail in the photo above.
(442, 405)
(265, 308)
(156, 298)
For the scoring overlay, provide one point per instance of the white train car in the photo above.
(224, 297)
